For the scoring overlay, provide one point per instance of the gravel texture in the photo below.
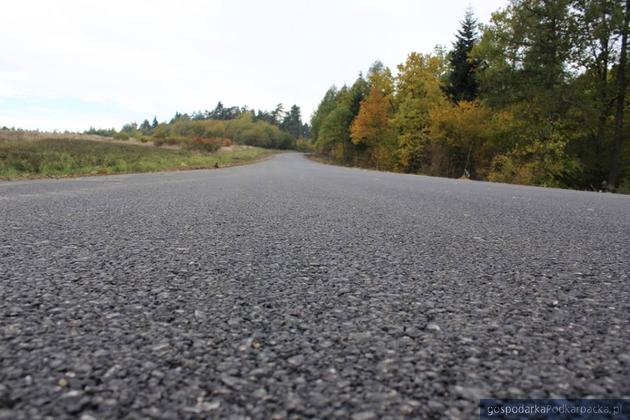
(293, 289)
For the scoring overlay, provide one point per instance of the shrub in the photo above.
(211, 144)
(121, 136)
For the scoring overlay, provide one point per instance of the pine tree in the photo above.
(278, 114)
(292, 122)
(462, 83)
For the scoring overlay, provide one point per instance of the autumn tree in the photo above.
(418, 91)
(537, 96)
(459, 132)
(372, 127)
(330, 124)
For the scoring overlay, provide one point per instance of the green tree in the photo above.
(596, 39)
(525, 54)
(277, 115)
(418, 91)
(462, 82)
(622, 86)
(330, 124)
(292, 122)
(145, 127)
(334, 134)
(326, 106)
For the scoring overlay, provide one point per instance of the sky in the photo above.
(72, 64)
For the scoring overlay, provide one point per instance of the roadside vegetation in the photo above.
(537, 96)
(204, 139)
(209, 130)
(59, 157)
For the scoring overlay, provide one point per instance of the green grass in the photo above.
(39, 158)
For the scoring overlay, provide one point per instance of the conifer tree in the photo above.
(462, 83)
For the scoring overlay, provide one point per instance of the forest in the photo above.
(536, 96)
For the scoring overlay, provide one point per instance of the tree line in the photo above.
(536, 96)
(209, 129)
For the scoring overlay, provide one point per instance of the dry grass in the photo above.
(58, 155)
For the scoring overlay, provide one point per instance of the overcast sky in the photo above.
(72, 64)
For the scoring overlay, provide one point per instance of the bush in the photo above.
(212, 134)
(121, 136)
(204, 144)
(105, 132)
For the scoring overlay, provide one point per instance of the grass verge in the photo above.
(41, 158)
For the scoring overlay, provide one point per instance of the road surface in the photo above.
(290, 288)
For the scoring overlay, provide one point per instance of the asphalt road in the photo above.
(291, 289)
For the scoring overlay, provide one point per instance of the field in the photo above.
(61, 157)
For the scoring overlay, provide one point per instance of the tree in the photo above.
(358, 91)
(179, 117)
(596, 26)
(462, 82)
(218, 113)
(155, 123)
(525, 56)
(334, 134)
(622, 85)
(145, 127)
(129, 128)
(539, 97)
(458, 132)
(418, 91)
(278, 114)
(292, 122)
(372, 126)
(330, 124)
(326, 106)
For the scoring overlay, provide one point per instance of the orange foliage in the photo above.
(371, 124)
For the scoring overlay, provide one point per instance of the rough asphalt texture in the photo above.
(293, 289)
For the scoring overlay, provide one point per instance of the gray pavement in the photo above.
(293, 289)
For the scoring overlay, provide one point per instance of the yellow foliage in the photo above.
(418, 91)
(459, 125)
(372, 127)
